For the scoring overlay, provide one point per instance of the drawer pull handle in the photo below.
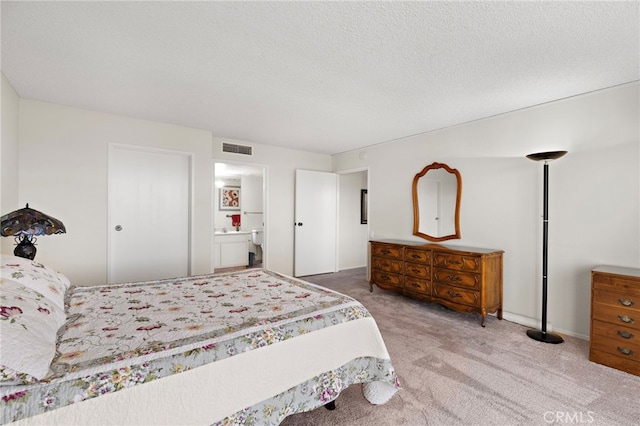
(626, 302)
(416, 256)
(415, 271)
(416, 285)
(453, 294)
(452, 262)
(625, 334)
(625, 351)
(626, 319)
(454, 278)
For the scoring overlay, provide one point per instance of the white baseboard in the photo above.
(535, 323)
(348, 268)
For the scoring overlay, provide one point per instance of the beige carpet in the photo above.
(454, 372)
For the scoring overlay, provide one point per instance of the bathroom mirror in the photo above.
(436, 203)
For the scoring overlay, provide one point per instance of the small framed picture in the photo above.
(230, 198)
(363, 207)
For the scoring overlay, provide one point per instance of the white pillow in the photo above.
(29, 323)
(36, 276)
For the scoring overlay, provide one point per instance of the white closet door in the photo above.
(149, 211)
(316, 219)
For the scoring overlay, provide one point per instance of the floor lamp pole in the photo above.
(543, 335)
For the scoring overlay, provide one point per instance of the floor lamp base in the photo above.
(543, 336)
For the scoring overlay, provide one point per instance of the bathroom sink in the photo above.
(231, 232)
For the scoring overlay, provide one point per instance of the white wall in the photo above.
(63, 172)
(9, 158)
(66, 177)
(253, 209)
(594, 195)
(594, 200)
(352, 235)
(252, 202)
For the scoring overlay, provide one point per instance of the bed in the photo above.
(250, 347)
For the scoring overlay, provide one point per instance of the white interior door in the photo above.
(429, 191)
(316, 202)
(149, 210)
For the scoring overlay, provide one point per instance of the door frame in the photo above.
(190, 236)
(265, 206)
(345, 172)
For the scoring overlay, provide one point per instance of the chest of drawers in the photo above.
(464, 279)
(615, 318)
(387, 266)
(417, 272)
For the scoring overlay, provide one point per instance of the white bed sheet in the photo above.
(212, 392)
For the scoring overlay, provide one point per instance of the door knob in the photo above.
(118, 228)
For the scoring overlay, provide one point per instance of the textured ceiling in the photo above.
(327, 77)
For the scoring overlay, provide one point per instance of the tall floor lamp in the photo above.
(543, 335)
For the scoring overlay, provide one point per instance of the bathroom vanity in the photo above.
(231, 249)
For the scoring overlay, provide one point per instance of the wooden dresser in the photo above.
(465, 279)
(615, 318)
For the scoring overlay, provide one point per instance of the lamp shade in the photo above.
(546, 156)
(28, 221)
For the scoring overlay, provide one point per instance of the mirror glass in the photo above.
(436, 203)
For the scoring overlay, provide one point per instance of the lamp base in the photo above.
(543, 336)
(25, 248)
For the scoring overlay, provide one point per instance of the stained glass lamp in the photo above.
(25, 224)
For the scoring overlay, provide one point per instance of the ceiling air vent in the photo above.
(236, 149)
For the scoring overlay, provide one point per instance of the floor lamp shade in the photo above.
(543, 335)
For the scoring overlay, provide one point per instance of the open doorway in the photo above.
(353, 228)
(238, 240)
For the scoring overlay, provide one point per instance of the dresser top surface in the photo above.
(618, 270)
(439, 246)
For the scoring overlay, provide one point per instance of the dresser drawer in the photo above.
(456, 294)
(386, 264)
(611, 295)
(417, 285)
(616, 282)
(629, 318)
(417, 256)
(387, 250)
(456, 261)
(612, 331)
(417, 270)
(627, 350)
(387, 280)
(614, 361)
(447, 276)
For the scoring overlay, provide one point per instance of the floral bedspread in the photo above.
(119, 336)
